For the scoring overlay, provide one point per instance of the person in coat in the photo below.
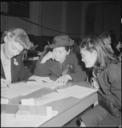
(14, 41)
(106, 70)
(60, 64)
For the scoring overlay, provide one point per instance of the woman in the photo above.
(60, 64)
(14, 41)
(106, 70)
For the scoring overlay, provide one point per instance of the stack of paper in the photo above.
(21, 89)
(73, 91)
(28, 116)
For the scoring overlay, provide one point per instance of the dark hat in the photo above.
(61, 41)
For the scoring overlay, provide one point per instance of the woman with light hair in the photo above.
(14, 41)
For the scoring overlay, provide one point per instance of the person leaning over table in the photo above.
(107, 79)
(14, 41)
(60, 64)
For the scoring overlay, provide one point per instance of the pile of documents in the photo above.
(28, 116)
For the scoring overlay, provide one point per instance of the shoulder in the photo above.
(114, 70)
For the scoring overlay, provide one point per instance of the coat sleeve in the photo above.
(114, 75)
(78, 74)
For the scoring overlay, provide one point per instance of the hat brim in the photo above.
(58, 45)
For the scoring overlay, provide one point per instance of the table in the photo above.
(68, 108)
(71, 108)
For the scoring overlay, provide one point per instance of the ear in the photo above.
(5, 39)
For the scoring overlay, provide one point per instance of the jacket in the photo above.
(109, 94)
(18, 71)
(54, 69)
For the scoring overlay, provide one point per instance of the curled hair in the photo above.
(19, 35)
(93, 42)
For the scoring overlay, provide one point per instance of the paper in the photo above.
(21, 89)
(73, 91)
(35, 110)
(24, 120)
(76, 91)
(28, 116)
(28, 101)
(34, 116)
(25, 88)
(4, 101)
(50, 98)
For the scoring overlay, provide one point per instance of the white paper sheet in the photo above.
(24, 120)
(21, 89)
(25, 88)
(27, 120)
(77, 91)
(73, 91)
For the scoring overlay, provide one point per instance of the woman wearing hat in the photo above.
(60, 64)
(14, 41)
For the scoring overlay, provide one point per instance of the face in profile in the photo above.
(60, 54)
(88, 57)
(12, 47)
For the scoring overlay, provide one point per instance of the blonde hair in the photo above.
(19, 35)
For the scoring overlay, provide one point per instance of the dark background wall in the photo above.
(76, 18)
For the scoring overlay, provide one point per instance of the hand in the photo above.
(95, 84)
(40, 79)
(61, 81)
(48, 56)
(4, 83)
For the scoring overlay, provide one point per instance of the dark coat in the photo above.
(110, 87)
(18, 72)
(54, 69)
(108, 112)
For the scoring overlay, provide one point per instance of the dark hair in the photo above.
(20, 36)
(93, 42)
